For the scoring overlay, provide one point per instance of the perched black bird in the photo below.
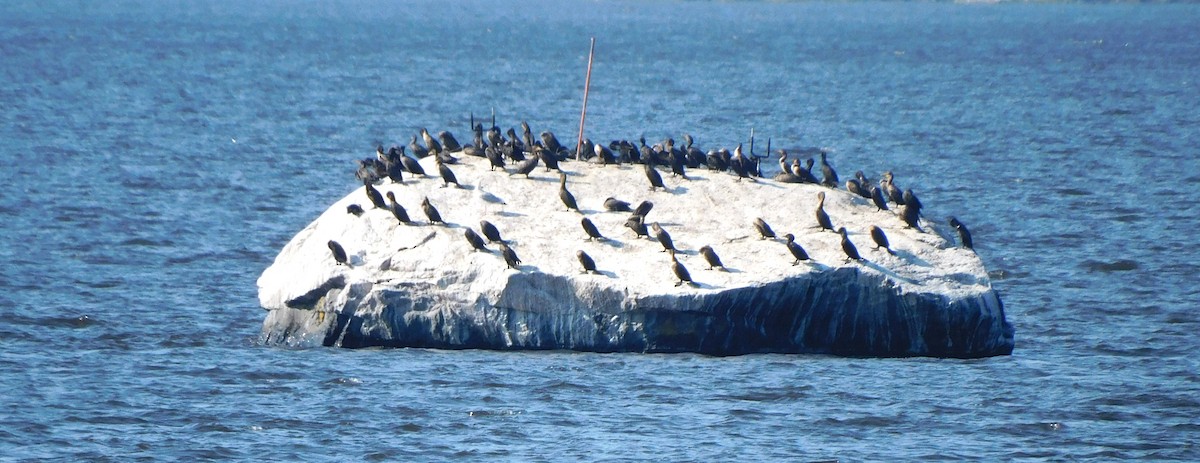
(339, 254)
(804, 173)
(355, 209)
(877, 198)
(590, 229)
(447, 174)
(853, 186)
(740, 164)
(416, 148)
(711, 257)
(411, 165)
(678, 160)
(375, 197)
(910, 199)
(495, 157)
(863, 184)
(616, 205)
(526, 166)
(663, 237)
(589, 265)
(912, 216)
(652, 174)
(822, 217)
(717, 160)
(551, 143)
(475, 240)
(430, 144)
(604, 155)
(880, 239)
(680, 271)
(510, 257)
(964, 235)
(643, 208)
(567, 198)
(637, 224)
(795, 248)
(890, 190)
(490, 231)
(848, 247)
(830, 176)
(431, 212)
(449, 142)
(397, 210)
(763, 229)
(550, 159)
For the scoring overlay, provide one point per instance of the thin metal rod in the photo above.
(587, 84)
(751, 141)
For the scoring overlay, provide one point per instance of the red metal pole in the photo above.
(587, 84)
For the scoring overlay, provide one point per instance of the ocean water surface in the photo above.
(156, 157)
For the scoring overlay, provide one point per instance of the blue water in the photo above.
(157, 155)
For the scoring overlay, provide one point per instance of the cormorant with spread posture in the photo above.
(643, 208)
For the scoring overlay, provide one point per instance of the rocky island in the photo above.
(423, 283)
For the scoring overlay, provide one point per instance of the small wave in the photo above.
(143, 242)
(348, 381)
(1073, 192)
(489, 413)
(1122, 265)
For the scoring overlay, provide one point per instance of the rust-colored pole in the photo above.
(587, 84)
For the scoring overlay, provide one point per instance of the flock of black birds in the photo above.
(526, 153)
